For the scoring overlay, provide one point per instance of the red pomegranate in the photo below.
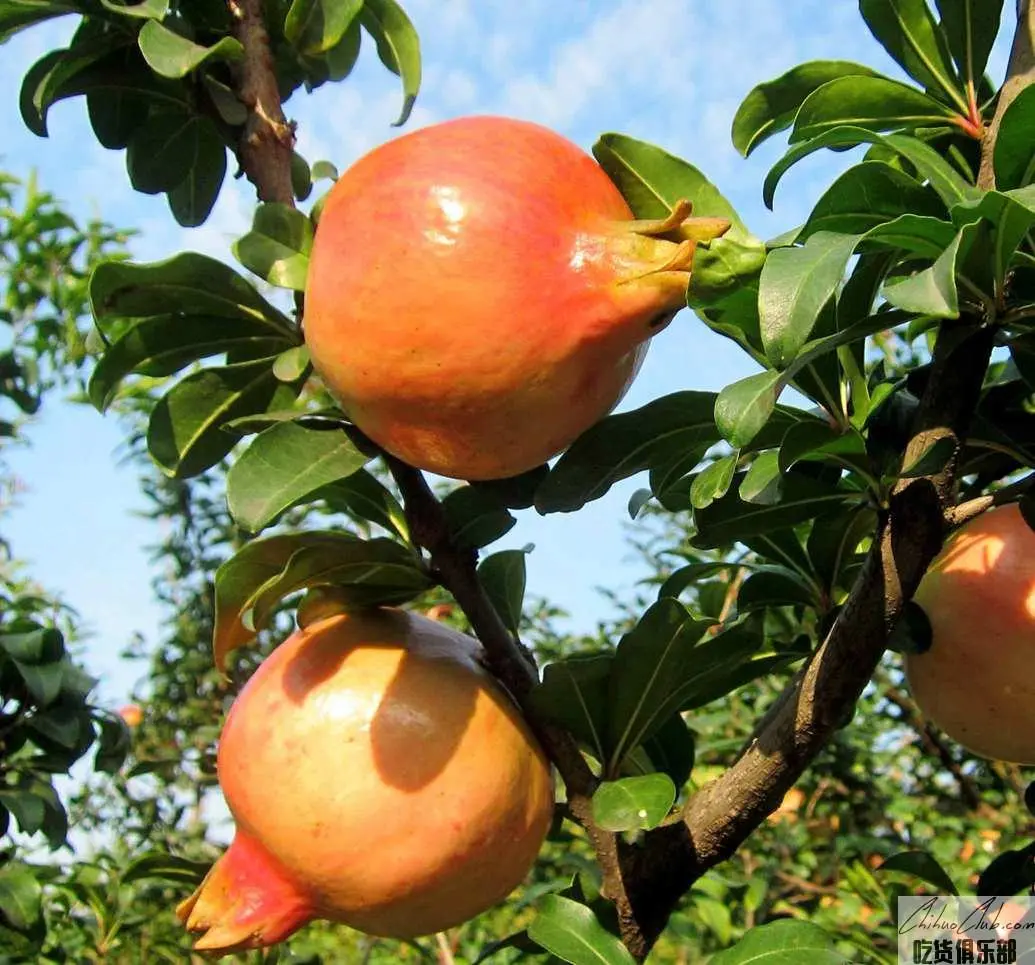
(479, 294)
(977, 680)
(378, 777)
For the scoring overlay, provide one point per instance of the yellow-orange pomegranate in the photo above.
(479, 295)
(378, 777)
(977, 681)
(132, 714)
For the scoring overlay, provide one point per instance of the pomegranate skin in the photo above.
(378, 777)
(479, 295)
(977, 681)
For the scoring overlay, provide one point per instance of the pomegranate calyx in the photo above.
(679, 222)
(244, 902)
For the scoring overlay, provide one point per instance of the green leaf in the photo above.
(1012, 213)
(919, 235)
(375, 572)
(202, 158)
(652, 181)
(670, 750)
(43, 680)
(971, 27)
(170, 55)
(730, 519)
(621, 445)
(833, 542)
(292, 364)
(770, 107)
(113, 744)
(633, 803)
(53, 77)
(158, 149)
(653, 662)
(761, 483)
(819, 441)
(397, 45)
(933, 291)
(145, 10)
(185, 434)
(363, 497)
(21, 895)
(872, 103)
(920, 865)
(164, 344)
(946, 181)
(188, 283)
(32, 647)
(313, 27)
(475, 517)
(743, 408)
(574, 694)
(774, 587)
(907, 31)
(795, 287)
(284, 464)
(266, 570)
(115, 116)
(713, 481)
(866, 196)
(571, 932)
(783, 942)
(278, 245)
(27, 808)
(1014, 156)
(16, 15)
(301, 178)
(503, 577)
(168, 867)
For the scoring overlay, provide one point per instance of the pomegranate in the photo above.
(479, 294)
(977, 681)
(378, 777)
(132, 714)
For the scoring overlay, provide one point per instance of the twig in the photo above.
(268, 140)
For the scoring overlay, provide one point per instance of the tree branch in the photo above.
(1019, 74)
(268, 140)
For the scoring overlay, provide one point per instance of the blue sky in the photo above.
(668, 71)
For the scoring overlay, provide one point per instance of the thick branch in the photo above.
(1019, 74)
(268, 140)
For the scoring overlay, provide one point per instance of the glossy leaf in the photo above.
(185, 434)
(713, 481)
(633, 803)
(818, 440)
(574, 694)
(872, 103)
(277, 247)
(621, 445)
(761, 483)
(475, 517)
(170, 55)
(783, 942)
(376, 572)
(653, 662)
(265, 570)
(16, 15)
(164, 344)
(144, 10)
(282, 466)
(796, 285)
(203, 162)
(503, 577)
(932, 291)
(362, 496)
(189, 283)
(920, 865)
(908, 32)
(21, 896)
(397, 45)
(971, 27)
(868, 195)
(571, 932)
(652, 180)
(743, 408)
(917, 234)
(770, 107)
(730, 519)
(946, 181)
(313, 27)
